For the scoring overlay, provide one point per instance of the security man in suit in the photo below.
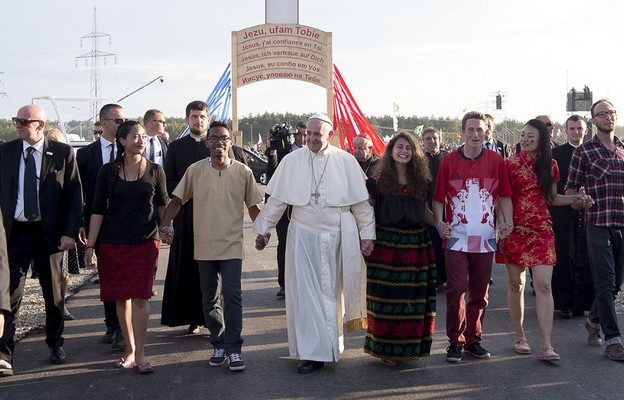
(41, 202)
(156, 146)
(492, 143)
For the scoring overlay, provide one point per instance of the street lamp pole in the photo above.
(251, 127)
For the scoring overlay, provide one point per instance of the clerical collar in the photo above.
(198, 138)
(433, 154)
(574, 145)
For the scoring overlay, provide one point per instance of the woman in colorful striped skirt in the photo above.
(401, 271)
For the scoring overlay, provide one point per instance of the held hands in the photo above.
(166, 234)
(504, 230)
(262, 241)
(366, 246)
(582, 200)
(444, 230)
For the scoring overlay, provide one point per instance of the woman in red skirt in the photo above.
(533, 175)
(130, 196)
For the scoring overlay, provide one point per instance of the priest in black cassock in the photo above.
(182, 297)
(572, 283)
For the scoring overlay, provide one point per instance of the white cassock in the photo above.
(325, 272)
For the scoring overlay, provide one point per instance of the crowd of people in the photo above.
(365, 241)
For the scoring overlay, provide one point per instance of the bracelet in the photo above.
(501, 224)
(438, 225)
(89, 247)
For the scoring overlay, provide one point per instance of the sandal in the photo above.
(122, 363)
(144, 368)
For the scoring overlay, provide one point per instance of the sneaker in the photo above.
(548, 354)
(593, 337)
(521, 346)
(614, 352)
(218, 358)
(235, 362)
(477, 351)
(454, 353)
(6, 369)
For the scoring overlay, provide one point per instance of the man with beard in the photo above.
(572, 284)
(598, 167)
(182, 297)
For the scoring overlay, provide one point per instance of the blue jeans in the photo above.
(606, 259)
(216, 279)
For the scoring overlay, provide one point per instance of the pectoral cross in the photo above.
(316, 196)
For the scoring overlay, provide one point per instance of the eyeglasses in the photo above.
(602, 114)
(98, 132)
(160, 121)
(24, 122)
(118, 121)
(550, 124)
(222, 139)
(360, 148)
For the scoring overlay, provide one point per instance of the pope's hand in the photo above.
(366, 246)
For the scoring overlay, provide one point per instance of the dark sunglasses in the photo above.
(98, 132)
(118, 121)
(23, 122)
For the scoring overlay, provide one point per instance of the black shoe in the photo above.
(565, 314)
(118, 340)
(307, 366)
(69, 317)
(281, 294)
(57, 355)
(491, 281)
(454, 353)
(477, 351)
(108, 336)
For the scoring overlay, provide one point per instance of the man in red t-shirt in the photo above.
(470, 181)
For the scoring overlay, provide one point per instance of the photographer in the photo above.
(280, 143)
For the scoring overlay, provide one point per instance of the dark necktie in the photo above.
(488, 145)
(112, 153)
(151, 155)
(31, 204)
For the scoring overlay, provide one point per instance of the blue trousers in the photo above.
(606, 258)
(216, 279)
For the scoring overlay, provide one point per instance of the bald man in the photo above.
(41, 202)
(363, 152)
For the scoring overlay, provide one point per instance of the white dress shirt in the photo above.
(37, 155)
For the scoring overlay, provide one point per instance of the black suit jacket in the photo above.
(60, 192)
(164, 144)
(89, 161)
(503, 148)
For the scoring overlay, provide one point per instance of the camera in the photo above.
(281, 139)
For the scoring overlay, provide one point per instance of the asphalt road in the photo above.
(182, 370)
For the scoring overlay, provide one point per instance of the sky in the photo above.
(432, 58)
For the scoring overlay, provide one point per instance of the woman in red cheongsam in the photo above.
(533, 175)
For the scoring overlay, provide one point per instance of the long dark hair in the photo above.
(543, 162)
(418, 175)
(122, 132)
